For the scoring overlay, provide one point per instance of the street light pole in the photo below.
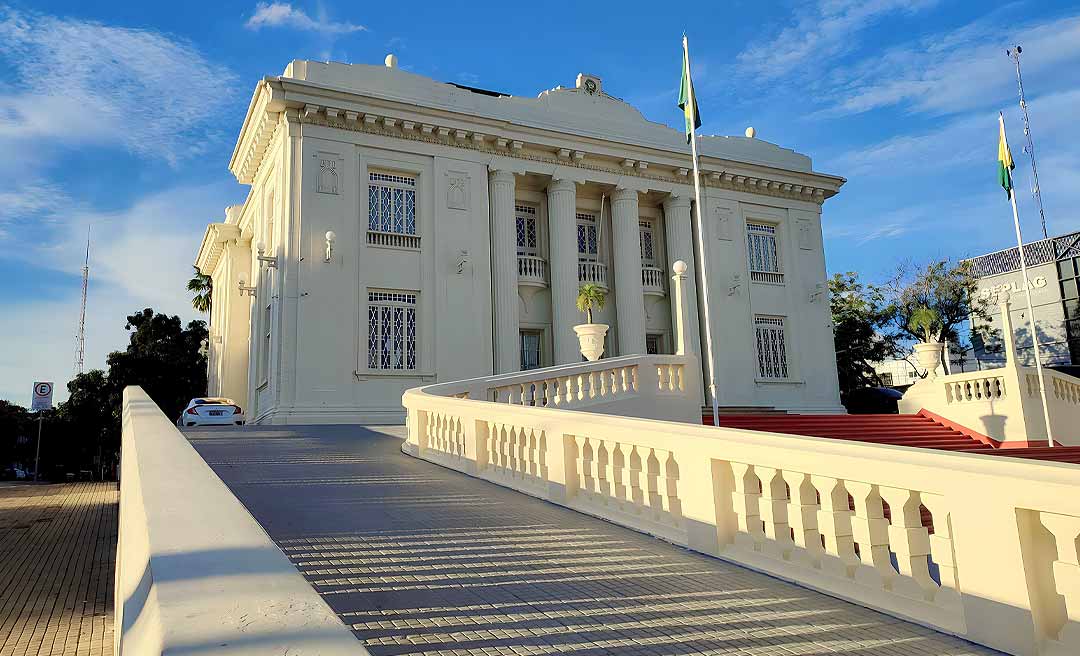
(37, 451)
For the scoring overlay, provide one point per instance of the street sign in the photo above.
(42, 397)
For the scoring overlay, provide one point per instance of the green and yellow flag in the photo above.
(1005, 160)
(687, 97)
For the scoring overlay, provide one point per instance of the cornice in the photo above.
(765, 181)
(213, 245)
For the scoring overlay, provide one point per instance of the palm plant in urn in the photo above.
(591, 335)
(926, 322)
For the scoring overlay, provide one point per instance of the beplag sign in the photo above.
(1038, 282)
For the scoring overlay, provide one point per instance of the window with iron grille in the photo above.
(654, 344)
(763, 253)
(771, 347)
(587, 237)
(391, 203)
(648, 243)
(391, 330)
(530, 349)
(528, 242)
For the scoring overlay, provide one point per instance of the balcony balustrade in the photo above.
(592, 272)
(652, 280)
(532, 271)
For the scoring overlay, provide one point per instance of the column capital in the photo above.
(501, 175)
(674, 201)
(624, 194)
(561, 184)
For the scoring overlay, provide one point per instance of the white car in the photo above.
(211, 411)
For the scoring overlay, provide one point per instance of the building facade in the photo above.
(400, 231)
(1054, 281)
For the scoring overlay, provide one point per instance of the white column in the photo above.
(629, 298)
(680, 246)
(504, 272)
(562, 227)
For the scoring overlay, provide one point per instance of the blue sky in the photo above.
(123, 115)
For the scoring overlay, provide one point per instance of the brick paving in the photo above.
(418, 559)
(57, 555)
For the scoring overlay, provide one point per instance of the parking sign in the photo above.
(42, 396)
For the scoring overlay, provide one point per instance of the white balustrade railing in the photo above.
(652, 280)
(982, 547)
(972, 387)
(532, 270)
(592, 272)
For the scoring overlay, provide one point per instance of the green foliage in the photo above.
(926, 322)
(949, 289)
(590, 296)
(83, 432)
(862, 328)
(202, 286)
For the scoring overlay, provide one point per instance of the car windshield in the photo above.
(211, 401)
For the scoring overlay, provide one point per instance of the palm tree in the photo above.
(203, 287)
(590, 296)
(925, 321)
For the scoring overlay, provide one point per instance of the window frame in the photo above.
(646, 226)
(759, 232)
(588, 221)
(532, 332)
(407, 182)
(527, 213)
(408, 301)
(782, 365)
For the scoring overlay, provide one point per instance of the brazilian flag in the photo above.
(1005, 160)
(687, 97)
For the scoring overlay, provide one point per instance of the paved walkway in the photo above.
(57, 551)
(418, 559)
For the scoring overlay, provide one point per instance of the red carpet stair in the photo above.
(920, 431)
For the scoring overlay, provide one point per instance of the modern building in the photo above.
(1054, 280)
(400, 231)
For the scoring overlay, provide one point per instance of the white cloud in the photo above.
(283, 14)
(79, 82)
(820, 32)
(961, 69)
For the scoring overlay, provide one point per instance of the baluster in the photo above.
(661, 375)
(871, 531)
(910, 541)
(802, 517)
(637, 493)
(655, 499)
(745, 501)
(531, 463)
(603, 470)
(773, 511)
(513, 461)
(619, 473)
(514, 395)
(1066, 571)
(580, 387)
(669, 485)
(834, 525)
(541, 459)
(586, 468)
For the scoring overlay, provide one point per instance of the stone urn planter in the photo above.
(591, 335)
(591, 339)
(929, 356)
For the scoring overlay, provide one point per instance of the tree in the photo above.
(863, 331)
(948, 289)
(926, 323)
(202, 286)
(590, 296)
(164, 358)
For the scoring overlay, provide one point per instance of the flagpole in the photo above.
(704, 279)
(1027, 294)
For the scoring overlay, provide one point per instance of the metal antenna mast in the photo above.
(80, 337)
(1029, 147)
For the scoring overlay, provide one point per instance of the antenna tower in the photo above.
(80, 337)
(1029, 147)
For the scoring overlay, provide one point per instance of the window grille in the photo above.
(654, 344)
(391, 330)
(763, 253)
(528, 242)
(771, 348)
(648, 243)
(391, 205)
(587, 237)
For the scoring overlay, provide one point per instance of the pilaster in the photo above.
(629, 299)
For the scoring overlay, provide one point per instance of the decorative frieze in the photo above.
(315, 114)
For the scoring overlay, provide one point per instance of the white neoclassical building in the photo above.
(415, 231)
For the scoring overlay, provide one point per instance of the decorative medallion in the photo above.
(457, 191)
(590, 87)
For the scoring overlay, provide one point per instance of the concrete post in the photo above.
(629, 298)
(562, 226)
(504, 271)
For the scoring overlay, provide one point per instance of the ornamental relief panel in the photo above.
(457, 190)
(724, 217)
(328, 179)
